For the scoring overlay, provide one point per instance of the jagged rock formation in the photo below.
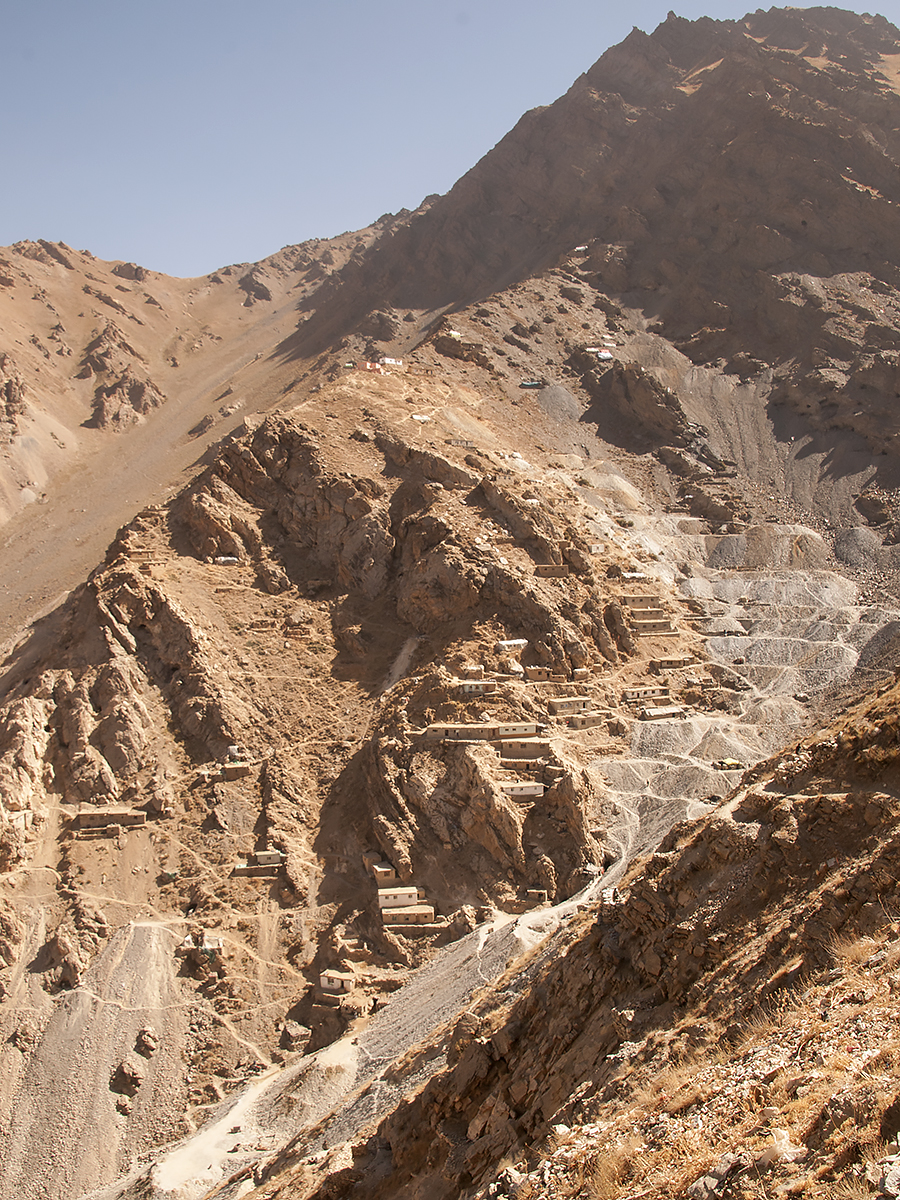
(13, 394)
(526, 615)
(723, 918)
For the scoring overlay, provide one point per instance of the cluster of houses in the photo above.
(403, 908)
(399, 904)
(646, 617)
(524, 744)
(523, 747)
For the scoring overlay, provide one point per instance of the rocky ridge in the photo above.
(723, 1023)
(614, 522)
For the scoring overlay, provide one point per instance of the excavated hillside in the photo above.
(724, 1023)
(401, 806)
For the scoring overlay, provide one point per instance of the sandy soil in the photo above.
(66, 1147)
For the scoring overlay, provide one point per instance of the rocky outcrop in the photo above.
(723, 918)
(130, 270)
(433, 804)
(254, 286)
(49, 253)
(123, 393)
(24, 737)
(638, 399)
(125, 400)
(12, 399)
(108, 353)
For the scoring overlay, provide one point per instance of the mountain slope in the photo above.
(316, 777)
(728, 1015)
(115, 379)
(734, 183)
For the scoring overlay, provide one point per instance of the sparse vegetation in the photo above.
(237, 697)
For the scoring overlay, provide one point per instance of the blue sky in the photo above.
(188, 134)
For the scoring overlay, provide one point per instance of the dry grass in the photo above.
(676, 1085)
(605, 1181)
(874, 1150)
(611, 1168)
(850, 1189)
(854, 951)
(671, 1167)
(826, 1096)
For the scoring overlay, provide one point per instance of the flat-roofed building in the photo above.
(662, 713)
(90, 817)
(413, 914)
(460, 733)
(646, 693)
(521, 789)
(397, 896)
(568, 704)
(524, 748)
(586, 720)
(649, 628)
(512, 729)
(537, 673)
(334, 980)
(269, 858)
(476, 687)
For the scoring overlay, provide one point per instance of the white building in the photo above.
(333, 980)
(397, 897)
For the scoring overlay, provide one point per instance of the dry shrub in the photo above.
(667, 1085)
(873, 1150)
(673, 1166)
(611, 1168)
(850, 1189)
(853, 951)
(664, 1085)
(605, 1180)
(689, 1155)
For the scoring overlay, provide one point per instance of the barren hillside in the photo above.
(448, 729)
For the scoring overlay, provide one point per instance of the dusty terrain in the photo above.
(526, 617)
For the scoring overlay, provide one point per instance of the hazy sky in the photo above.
(188, 134)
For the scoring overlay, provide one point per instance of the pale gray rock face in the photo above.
(857, 547)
